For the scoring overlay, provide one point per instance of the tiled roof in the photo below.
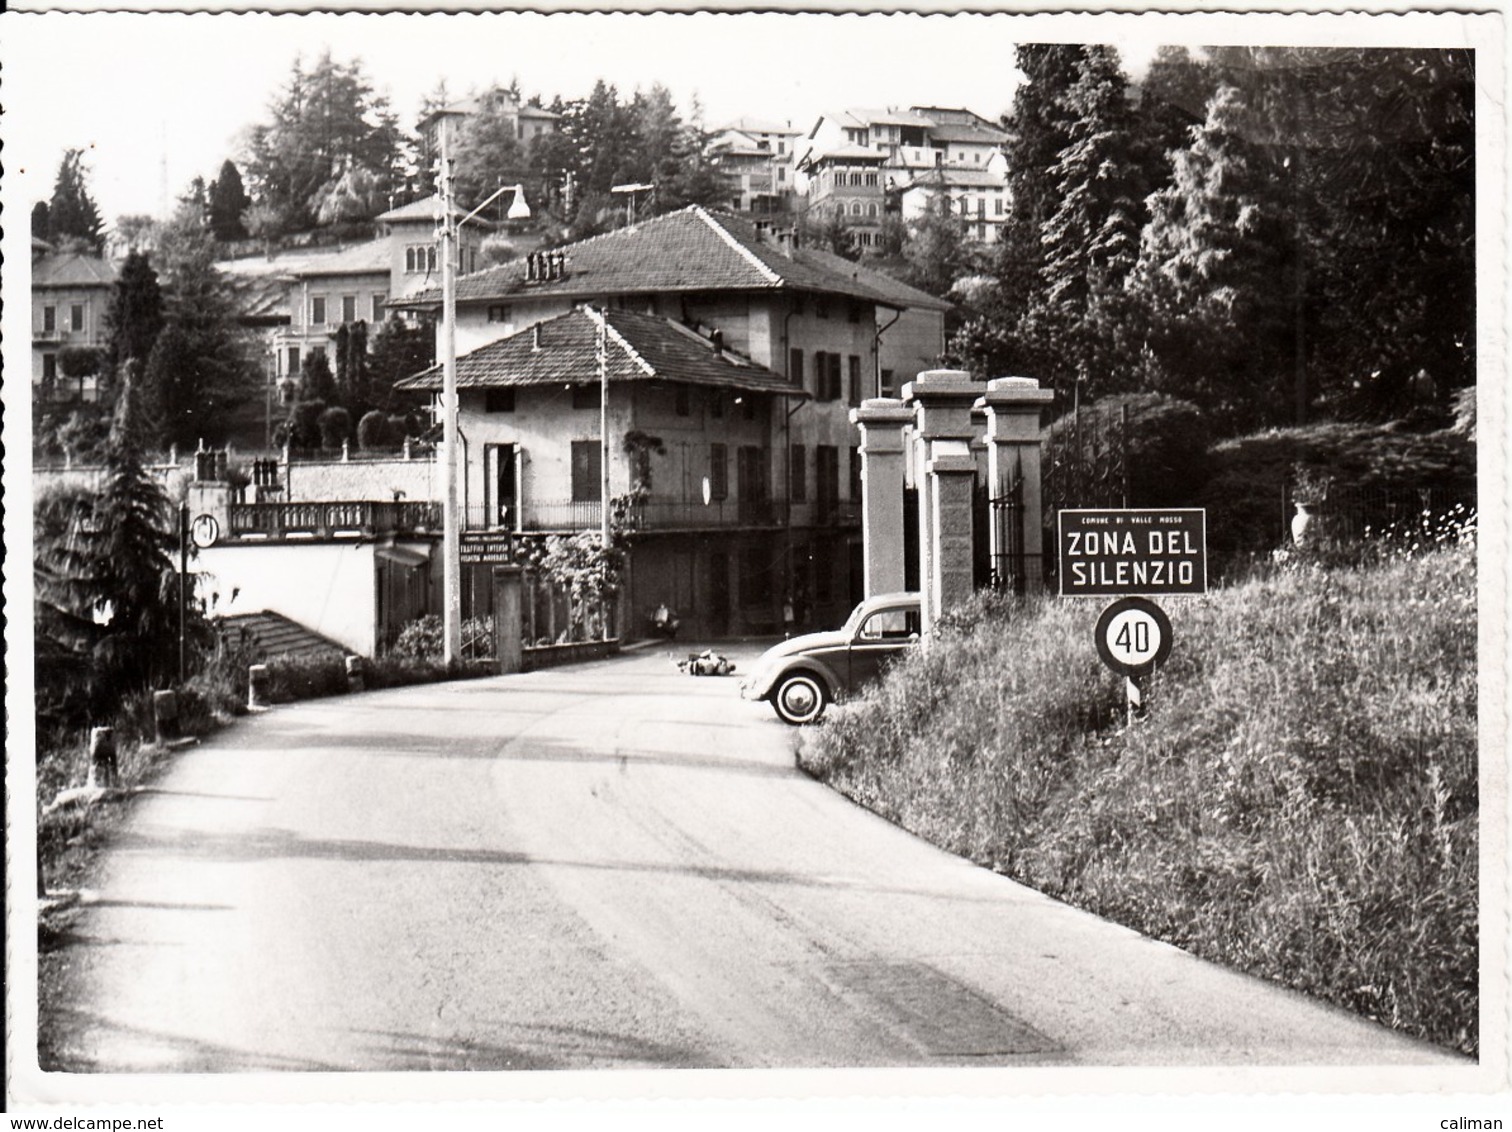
(954, 132)
(261, 299)
(850, 153)
(528, 111)
(641, 347)
(359, 259)
(70, 269)
(273, 634)
(764, 126)
(901, 294)
(958, 177)
(687, 250)
(373, 257)
(862, 116)
(428, 208)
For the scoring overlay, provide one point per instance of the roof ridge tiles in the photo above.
(602, 318)
(740, 248)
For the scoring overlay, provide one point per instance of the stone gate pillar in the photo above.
(1013, 406)
(882, 420)
(942, 400)
(509, 650)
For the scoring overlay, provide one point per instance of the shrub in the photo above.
(424, 638)
(1167, 445)
(306, 677)
(373, 430)
(1246, 494)
(335, 426)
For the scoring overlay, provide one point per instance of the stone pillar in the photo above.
(103, 769)
(881, 421)
(509, 651)
(1013, 406)
(942, 401)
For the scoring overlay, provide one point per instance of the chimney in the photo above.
(531, 275)
(535, 337)
(716, 339)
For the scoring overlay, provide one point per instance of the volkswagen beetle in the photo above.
(803, 676)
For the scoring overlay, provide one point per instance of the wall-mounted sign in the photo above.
(488, 548)
(1128, 551)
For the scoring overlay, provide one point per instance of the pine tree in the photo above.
(1091, 240)
(1210, 258)
(105, 592)
(200, 304)
(135, 569)
(71, 213)
(1010, 335)
(327, 123)
(486, 153)
(39, 220)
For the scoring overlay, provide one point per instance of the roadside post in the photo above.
(1132, 554)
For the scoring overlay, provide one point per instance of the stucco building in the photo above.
(70, 295)
(864, 163)
(760, 468)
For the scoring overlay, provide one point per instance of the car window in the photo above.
(890, 625)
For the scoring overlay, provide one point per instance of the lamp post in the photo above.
(451, 471)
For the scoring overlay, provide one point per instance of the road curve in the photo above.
(610, 865)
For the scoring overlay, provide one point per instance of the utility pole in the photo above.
(451, 537)
(603, 374)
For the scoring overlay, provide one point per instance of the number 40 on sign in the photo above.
(1133, 638)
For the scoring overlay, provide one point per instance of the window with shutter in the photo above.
(798, 473)
(587, 468)
(719, 473)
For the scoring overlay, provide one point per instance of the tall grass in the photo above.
(1300, 801)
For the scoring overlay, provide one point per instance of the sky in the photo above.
(156, 99)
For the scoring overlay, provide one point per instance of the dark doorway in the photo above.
(719, 593)
(503, 501)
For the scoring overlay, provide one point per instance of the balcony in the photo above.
(342, 520)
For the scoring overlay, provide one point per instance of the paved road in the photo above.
(609, 865)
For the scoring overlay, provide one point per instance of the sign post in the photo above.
(1119, 552)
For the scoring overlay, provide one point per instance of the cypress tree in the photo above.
(135, 316)
(227, 200)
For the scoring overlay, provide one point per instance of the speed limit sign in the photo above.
(1133, 636)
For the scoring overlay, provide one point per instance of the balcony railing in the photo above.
(352, 519)
(654, 515)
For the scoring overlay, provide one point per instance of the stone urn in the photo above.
(1302, 522)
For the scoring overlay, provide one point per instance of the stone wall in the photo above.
(362, 479)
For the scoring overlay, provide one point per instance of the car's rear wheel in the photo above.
(800, 698)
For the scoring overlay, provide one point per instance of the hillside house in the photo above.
(794, 337)
(70, 294)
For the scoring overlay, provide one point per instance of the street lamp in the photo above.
(451, 473)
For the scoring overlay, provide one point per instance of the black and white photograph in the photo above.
(598, 556)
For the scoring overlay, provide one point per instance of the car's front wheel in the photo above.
(800, 698)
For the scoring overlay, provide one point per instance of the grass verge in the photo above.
(1300, 801)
